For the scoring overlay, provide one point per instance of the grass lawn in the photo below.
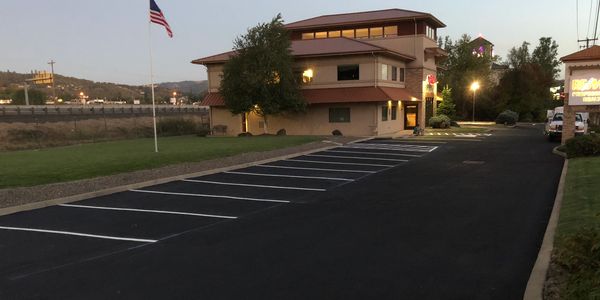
(35, 167)
(577, 248)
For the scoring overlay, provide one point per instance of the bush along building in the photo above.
(364, 74)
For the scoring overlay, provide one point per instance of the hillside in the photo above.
(68, 88)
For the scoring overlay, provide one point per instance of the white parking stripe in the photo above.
(386, 147)
(315, 169)
(210, 196)
(374, 153)
(148, 211)
(255, 185)
(339, 163)
(356, 157)
(106, 237)
(288, 176)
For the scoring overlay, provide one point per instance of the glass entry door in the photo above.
(410, 116)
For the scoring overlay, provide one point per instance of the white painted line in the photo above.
(433, 149)
(374, 153)
(255, 185)
(339, 163)
(148, 211)
(106, 237)
(288, 176)
(210, 196)
(387, 147)
(355, 157)
(315, 169)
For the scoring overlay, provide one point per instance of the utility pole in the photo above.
(587, 42)
(51, 63)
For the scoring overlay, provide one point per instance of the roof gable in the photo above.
(592, 53)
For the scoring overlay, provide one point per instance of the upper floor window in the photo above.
(390, 31)
(384, 72)
(394, 73)
(308, 36)
(321, 35)
(430, 32)
(401, 75)
(376, 32)
(348, 72)
(362, 33)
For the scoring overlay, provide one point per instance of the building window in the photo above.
(339, 115)
(384, 72)
(321, 35)
(390, 31)
(334, 34)
(362, 33)
(308, 36)
(430, 32)
(376, 32)
(394, 112)
(349, 33)
(384, 113)
(348, 72)
(307, 76)
(394, 73)
(401, 75)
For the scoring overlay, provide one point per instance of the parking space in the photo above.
(154, 213)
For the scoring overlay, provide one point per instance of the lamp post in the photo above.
(474, 88)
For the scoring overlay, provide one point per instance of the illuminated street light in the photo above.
(474, 88)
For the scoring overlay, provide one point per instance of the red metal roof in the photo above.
(387, 15)
(592, 53)
(336, 95)
(318, 47)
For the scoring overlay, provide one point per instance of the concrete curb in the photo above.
(559, 153)
(535, 285)
(112, 190)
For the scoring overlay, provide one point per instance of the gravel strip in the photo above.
(25, 195)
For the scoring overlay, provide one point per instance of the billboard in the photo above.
(584, 87)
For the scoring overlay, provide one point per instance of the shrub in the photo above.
(282, 132)
(245, 134)
(579, 257)
(203, 132)
(336, 133)
(175, 126)
(507, 117)
(440, 121)
(527, 117)
(584, 145)
(26, 135)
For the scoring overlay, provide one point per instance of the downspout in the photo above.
(415, 39)
(376, 130)
(374, 68)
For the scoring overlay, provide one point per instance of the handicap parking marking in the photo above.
(255, 185)
(210, 196)
(289, 176)
(147, 211)
(80, 234)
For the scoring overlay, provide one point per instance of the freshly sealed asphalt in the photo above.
(383, 219)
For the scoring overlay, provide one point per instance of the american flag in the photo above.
(156, 16)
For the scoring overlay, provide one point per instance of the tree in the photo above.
(546, 56)
(259, 78)
(36, 97)
(447, 107)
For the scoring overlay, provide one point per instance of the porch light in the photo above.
(307, 75)
(389, 103)
(413, 99)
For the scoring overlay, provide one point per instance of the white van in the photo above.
(554, 126)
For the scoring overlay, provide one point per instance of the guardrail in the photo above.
(90, 110)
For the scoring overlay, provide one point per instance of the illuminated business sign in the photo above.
(585, 87)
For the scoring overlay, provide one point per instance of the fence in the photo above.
(12, 113)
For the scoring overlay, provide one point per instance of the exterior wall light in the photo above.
(307, 76)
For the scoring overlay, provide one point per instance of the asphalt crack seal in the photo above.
(473, 162)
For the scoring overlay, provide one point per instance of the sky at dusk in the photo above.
(108, 40)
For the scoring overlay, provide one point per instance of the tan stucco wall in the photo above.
(365, 120)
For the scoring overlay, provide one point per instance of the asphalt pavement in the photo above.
(431, 218)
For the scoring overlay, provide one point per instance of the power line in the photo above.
(596, 25)
(577, 17)
(590, 19)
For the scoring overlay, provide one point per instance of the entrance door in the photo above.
(410, 116)
(244, 122)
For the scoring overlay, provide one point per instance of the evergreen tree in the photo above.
(447, 107)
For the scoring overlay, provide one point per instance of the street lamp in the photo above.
(474, 88)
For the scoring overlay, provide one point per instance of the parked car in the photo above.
(554, 126)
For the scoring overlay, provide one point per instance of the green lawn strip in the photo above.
(577, 246)
(35, 167)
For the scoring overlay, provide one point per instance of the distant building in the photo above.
(365, 73)
(482, 47)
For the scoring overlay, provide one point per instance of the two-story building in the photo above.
(366, 73)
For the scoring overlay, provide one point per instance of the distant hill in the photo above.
(68, 88)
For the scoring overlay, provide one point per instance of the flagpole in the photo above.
(152, 86)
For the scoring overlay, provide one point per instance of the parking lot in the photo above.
(59, 235)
